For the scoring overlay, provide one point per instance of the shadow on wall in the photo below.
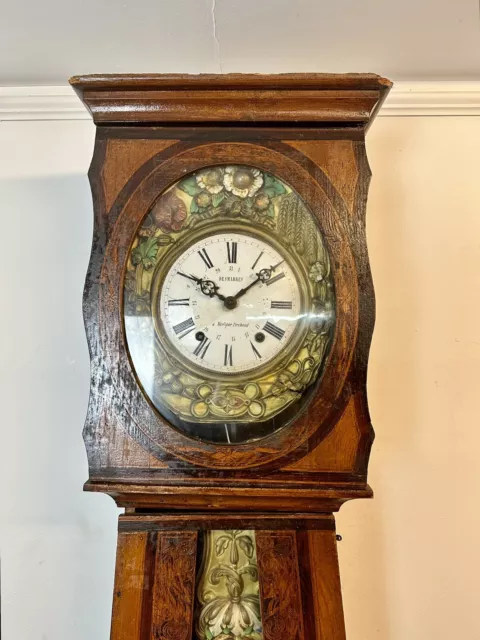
(57, 543)
(364, 554)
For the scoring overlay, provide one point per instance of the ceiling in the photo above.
(46, 42)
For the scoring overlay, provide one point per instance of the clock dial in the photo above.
(230, 303)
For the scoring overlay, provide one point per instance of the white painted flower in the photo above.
(242, 181)
(210, 179)
(317, 272)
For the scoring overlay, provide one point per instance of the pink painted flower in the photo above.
(169, 213)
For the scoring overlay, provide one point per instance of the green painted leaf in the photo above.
(208, 634)
(190, 186)
(270, 191)
(217, 198)
(248, 631)
(145, 252)
(271, 211)
(151, 248)
(273, 187)
(194, 208)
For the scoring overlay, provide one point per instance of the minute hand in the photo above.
(245, 289)
(262, 276)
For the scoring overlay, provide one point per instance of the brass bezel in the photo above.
(255, 231)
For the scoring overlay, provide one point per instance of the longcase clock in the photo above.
(229, 310)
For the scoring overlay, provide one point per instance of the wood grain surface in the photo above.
(141, 522)
(234, 98)
(280, 593)
(131, 577)
(173, 592)
(155, 577)
(321, 588)
(300, 584)
(154, 585)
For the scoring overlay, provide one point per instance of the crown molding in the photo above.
(405, 99)
(41, 103)
(433, 99)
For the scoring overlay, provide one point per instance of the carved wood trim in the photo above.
(154, 584)
(174, 588)
(280, 591)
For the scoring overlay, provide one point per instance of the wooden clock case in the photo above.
(310, 131)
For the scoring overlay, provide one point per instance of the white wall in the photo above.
(46, 42)
(57, 545)
(409, 560)
(411, 564)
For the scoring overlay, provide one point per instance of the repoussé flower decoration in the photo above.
(210, 179)
(235, 615)
(242, 181)
(203, 199)
(169, 213)
(317, 272)
(232, 402)
(261, 202)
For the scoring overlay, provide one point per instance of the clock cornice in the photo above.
(309, 100)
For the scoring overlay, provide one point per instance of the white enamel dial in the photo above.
(230, 303)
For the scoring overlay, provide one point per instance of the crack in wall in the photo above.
(216, 41)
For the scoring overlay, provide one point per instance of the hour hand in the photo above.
(210, 289)
(207, 287)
